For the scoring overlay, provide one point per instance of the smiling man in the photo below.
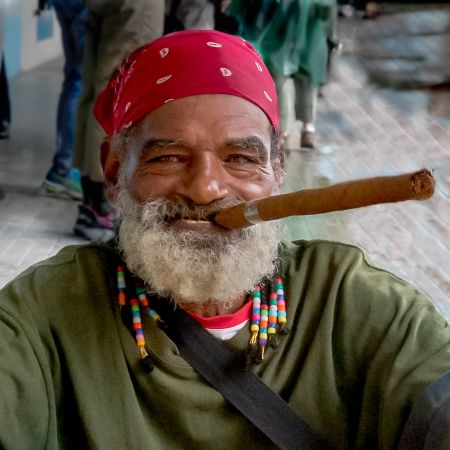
(104, 346)
(193, 174)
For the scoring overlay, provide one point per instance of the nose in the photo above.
(204, 181)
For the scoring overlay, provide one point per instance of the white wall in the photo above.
(34, 52)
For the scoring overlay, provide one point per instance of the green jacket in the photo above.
(363, 347)
(291, 35)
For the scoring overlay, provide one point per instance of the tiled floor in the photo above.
(365, 130)
(369, 129)
(32, 226)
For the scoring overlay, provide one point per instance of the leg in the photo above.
(61, 178)
(286, 99)
(5, 106)
(87, 93)
(73, 35)
(306, 106)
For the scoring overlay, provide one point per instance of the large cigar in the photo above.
(338, 197)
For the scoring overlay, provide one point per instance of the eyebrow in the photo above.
(153, 143)
(254, 143)
(250, 143)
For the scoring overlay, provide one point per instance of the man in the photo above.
(114, 29)
(193, 126)
(62, 179)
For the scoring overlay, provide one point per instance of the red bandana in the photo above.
(180, 65)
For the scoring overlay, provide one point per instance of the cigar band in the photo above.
(251, 213)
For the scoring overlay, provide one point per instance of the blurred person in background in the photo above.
(293, 38)
(5, 106)
(367, 10)
(62, 179)
(114, 29)
(197, 15)
(189, 15)
(5, 109)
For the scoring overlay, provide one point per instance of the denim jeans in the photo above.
(71, 15)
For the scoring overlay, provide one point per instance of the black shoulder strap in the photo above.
(217, 364)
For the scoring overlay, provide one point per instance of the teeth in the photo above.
(195, 221)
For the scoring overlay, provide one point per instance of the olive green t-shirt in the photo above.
(363, 346)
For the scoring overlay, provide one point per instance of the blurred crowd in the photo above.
(296, 39)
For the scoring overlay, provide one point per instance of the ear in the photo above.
(111, 162)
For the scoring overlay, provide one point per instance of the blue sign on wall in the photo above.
(13, 36)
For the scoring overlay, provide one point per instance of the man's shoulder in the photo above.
(67, 270)
(339, 272)
(323, 251)
(71, 255)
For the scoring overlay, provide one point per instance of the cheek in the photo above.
(261, 186)
(144, 187)
(131, 179)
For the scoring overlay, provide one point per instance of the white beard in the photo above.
(191, 267)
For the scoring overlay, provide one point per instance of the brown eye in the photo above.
(240, 159)
(164, 159)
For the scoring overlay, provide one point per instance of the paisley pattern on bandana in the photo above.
(182, 64)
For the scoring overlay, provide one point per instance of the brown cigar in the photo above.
(338, 197)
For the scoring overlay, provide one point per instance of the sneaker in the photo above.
(307, 139)
(64, 186)
(94, 227)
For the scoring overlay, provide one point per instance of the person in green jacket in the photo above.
(87, 358)
(293, 38)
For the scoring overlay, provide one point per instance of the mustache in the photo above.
(168, 210)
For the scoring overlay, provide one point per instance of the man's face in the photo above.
(202, 149)
(184, 161)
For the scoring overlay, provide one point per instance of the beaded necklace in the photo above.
(268, 317)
